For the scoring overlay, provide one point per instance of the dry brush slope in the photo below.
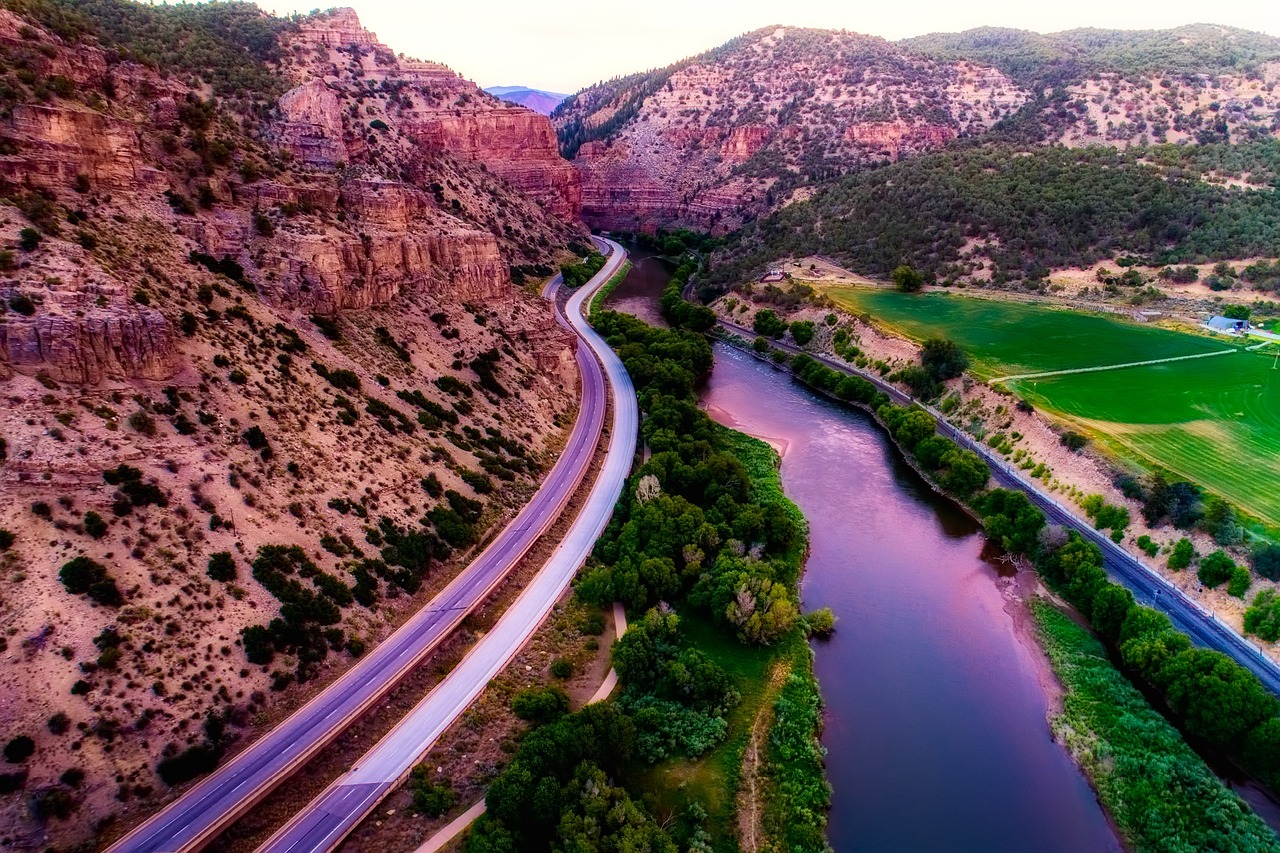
(161, 316)
(728, 135)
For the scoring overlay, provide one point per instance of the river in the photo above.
(936, 696)
(639, 291)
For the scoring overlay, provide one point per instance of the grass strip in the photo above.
(1161, 795)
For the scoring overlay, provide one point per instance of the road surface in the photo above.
(1148, 586)
(324, 822)
(195, 818)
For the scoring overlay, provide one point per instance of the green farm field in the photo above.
(1215, 421)
(1005, 338)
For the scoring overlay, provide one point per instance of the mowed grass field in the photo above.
(1005, 338)
(1214, 421)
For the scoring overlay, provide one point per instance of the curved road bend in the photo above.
(1148, 586)
(324, 822)
(195, 818)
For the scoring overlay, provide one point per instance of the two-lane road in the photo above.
(324, 822)
(195, 818)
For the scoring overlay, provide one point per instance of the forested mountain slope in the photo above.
(716, 140)
(996, 213)
(261, 352)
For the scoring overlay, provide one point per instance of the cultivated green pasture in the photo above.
(1005, 338)
(1215, 421)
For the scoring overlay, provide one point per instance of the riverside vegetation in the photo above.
(1153, 785)
(707, 548)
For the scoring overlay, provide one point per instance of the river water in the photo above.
(639, 291)
(936, 696)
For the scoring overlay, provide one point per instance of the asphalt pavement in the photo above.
(195, 818)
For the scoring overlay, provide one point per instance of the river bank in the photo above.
(932, 680)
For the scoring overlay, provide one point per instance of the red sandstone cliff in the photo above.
(373, 176)
(724, 137)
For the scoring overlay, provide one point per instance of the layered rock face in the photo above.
(434, 107)
(360, 215)
(727, 136)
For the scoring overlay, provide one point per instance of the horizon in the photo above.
(555, 48)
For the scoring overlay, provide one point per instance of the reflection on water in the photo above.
(936, 716)
(639, 291)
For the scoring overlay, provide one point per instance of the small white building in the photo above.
(1226, 325)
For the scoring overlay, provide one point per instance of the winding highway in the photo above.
(1147, 586)
(324, 822)
(194, 819)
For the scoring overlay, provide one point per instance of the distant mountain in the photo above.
(538, 100)
(771, 117)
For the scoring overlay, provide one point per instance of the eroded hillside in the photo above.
(718, 139)
(267, 377)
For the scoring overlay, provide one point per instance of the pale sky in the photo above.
(564, 47)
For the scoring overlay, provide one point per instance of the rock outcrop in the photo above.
(716, 140)
(93, 345)
(403, 177)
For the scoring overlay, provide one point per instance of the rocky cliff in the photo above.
(271, 275)
(424, 103)
(719, 139)
(371, 175)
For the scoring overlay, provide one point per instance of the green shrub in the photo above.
(802, 332)
(1240, 581)
(188, 764)
(1266, 561)
(7, 539)
(94, 525)
(1215, 569)
(561, 668)
(1263, 616)
(768, 324)
(222, 566)
(23, 304)
(821, 622)
(430, 798)
(83, 576)
(540, 704)
(19, 749)
(592, 624)
(1183, 553)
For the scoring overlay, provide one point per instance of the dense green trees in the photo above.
(1054, 59)
(1040, 208)
(557, 791)
(687, 532)
(231, 45)
(1211, 696)
(580, 272)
